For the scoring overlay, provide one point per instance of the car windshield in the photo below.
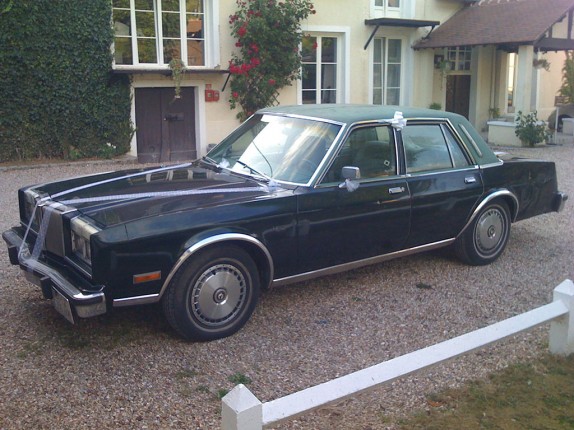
(276, 147)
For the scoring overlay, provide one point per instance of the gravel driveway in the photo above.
(128, 369)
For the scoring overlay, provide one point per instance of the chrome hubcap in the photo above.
(218, 295)
(490, 231)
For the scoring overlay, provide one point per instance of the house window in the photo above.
(320, 69)
(388, 8)
(387, 70)
(459, 58)
(388, 3)
(157, 31)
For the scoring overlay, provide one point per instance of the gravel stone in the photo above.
(127, 369)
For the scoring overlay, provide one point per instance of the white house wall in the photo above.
(421, 83)
(549, 83)
(481, 85)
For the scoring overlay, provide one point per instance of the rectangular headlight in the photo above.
(81, 231)
(30, 198)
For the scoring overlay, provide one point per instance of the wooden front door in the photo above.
(458, 94)
(165, 125)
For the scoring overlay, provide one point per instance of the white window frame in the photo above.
(384, 10)
(210, 38)
(459, 60)
(343, 59)
(384, 74)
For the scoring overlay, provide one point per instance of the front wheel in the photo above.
(486, 237)
(213, 294)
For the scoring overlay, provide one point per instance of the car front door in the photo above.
(339, 224)
(444, 184)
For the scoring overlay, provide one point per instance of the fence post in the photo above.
(562, 329)
(241, 410)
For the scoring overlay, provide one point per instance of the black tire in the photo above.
(485, 238)
(213, 294)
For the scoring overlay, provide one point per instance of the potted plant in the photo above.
(541, 63)
(177, 67)
(493, 113)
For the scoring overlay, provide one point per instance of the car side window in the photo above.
(431, 147)
(458, 157)
(371, 149)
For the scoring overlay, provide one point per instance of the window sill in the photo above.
(164, 70)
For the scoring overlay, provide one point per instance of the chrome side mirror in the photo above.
(351, 173)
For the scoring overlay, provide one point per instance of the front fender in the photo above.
(256, 248)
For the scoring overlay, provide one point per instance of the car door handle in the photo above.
(470, 180)
(396, 190)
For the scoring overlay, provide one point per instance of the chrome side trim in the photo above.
(490, 197)
(360, 263)
(138, 300)
(487, 166)
(470, 168)
(298, 116)
(226, 237)
(472, 142)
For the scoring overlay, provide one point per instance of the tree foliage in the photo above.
(567, 89)
(268, 34)
(59, 95)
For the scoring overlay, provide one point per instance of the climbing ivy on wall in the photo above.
(58, 95)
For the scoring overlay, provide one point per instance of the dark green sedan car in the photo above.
(294, 193)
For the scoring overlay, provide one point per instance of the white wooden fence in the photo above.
(241, 410)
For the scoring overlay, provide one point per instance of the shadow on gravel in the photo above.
(118, 328)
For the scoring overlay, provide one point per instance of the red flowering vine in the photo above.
(268, 34)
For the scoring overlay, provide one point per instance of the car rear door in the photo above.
(444, 184)
(336, 224)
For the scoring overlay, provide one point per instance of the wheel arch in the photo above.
(502, 194)
(256, 249)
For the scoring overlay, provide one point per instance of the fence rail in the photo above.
(241, 410)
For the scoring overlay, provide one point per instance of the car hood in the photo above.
(125, 196)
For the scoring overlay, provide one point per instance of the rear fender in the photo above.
(503, 194)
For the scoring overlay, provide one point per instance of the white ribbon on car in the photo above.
(398, 122)
(350, 185)
(271, 187)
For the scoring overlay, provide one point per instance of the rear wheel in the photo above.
(213, 294)
(486, 237)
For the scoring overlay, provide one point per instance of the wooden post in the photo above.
(562, 329)
(241, 410)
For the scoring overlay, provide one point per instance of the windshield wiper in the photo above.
(211, 163)
(254, 171)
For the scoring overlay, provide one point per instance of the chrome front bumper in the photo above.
(559, 201)
(58, 284)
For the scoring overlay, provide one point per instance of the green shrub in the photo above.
(529, 129)
(59, 95)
